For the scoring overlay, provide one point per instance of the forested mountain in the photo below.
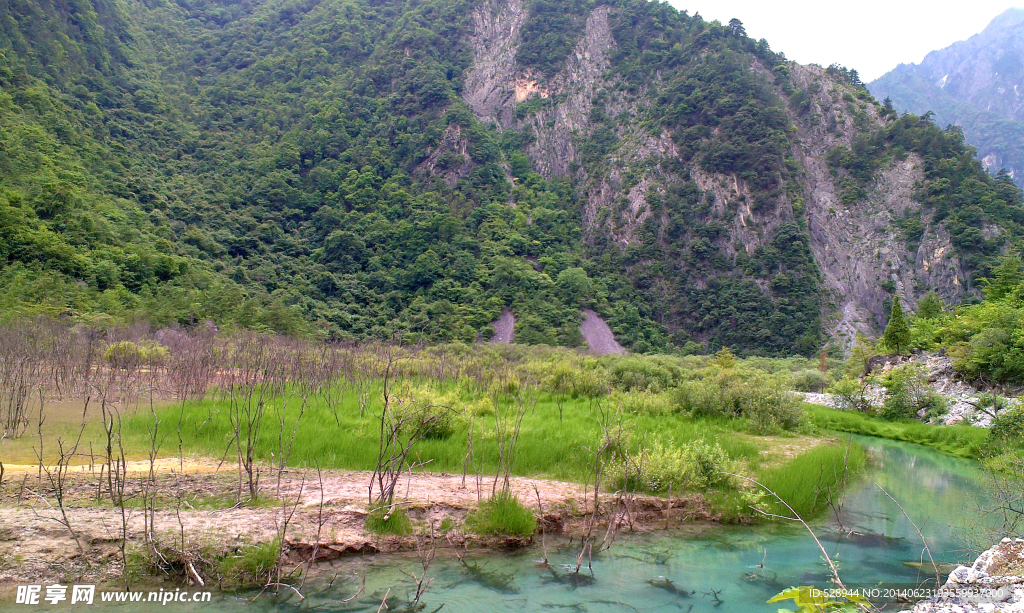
(361, 168)
(977, 84)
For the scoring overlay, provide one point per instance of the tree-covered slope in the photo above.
(976, 84)
(359, 169)
(74, 236)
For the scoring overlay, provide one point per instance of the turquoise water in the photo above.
(695, 569)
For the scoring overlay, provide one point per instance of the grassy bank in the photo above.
(555, 439)
(809, 481)
(669, 450)
(653, 424)
(961, 441)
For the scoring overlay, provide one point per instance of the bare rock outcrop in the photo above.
(857, 246)
(993, 584)
(504, 328)
(489, 85)
(598, 335)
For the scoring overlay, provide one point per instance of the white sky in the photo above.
(871, 36)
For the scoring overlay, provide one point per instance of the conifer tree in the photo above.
(930, 306)
(897, 333)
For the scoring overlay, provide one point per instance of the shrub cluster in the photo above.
(811, 380)
(763, 401)
(644, 374)
(128, 355)
(851, 395)
(1007, 428)
(908, 393)
(659, 467)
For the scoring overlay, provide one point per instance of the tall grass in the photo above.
(806, 481)
(962, 441)
(552, 441)
(251, 566)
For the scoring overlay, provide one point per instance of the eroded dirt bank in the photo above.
(321, 515)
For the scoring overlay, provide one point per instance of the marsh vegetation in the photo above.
(446, 446)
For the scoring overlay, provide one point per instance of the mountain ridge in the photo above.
(974, 83)
(333, 168)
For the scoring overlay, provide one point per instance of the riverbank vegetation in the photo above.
(981, 336)
(652, 424)
(278, 413)
(960, 441)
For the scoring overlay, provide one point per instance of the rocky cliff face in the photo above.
(859, 256)
(977, 84)
(857, 247)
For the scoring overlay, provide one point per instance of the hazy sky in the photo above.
(871, 36)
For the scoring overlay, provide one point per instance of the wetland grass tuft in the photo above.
(386, 519)
(502, 515)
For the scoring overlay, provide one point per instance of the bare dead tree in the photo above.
(275, 580)
(57, 477)
(319, 527)
(21, 374)
(403, 422)
(540, 513)
(255, 379)
(425, 556)
(834, 492)
(795, 517)
(612, 435)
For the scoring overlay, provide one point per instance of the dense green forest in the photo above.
(288, 165)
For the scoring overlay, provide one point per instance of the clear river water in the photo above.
(695, 569)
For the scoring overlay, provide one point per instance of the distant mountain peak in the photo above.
(1007, 19)
(975, 84)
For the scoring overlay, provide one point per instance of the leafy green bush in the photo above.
(387, 519)
(128, 355)
(811, 380)
(125, 355)
(771, 409)
(813, 600)
(502, 515)
(439, 422)
(1008, 428)
(642, 374)
(702, 398)
(908, 393)
(851, 395)
(657, 468)
(760, 399)
(587, 380)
